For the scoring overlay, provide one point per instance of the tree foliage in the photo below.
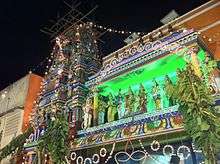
(54, 141)
(16, 144)
(201, 120)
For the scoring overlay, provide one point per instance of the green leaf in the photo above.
(189, 110)
(196, 135)
(205, 126)
(199, 121)
(56, 145)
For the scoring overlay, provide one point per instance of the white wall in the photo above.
(12, 101)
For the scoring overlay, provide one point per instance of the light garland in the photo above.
(195, 150)
(89, 160)
(139, 151)
(95, 158)
(103, 152)
(146, 154)
(67, 161)
(168, 147)
(112, 30)
(110, 155)
(142, 146)
(79, 160)
(181, 155)
(121, 160)
(73, 156)
(51, 57)
(155, 143)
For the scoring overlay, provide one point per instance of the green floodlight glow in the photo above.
(145, 75)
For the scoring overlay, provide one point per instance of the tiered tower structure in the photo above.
(75, 58)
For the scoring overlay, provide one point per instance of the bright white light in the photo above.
(3, 95)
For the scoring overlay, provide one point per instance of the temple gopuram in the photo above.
(118, 107)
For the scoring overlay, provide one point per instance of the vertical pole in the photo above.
(192, 153)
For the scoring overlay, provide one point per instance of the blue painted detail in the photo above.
(168, 123)
(217, 102)
(130, 121)
(141, 129)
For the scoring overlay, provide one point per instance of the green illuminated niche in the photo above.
(145, 75)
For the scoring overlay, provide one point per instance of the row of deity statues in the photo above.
(99, 109)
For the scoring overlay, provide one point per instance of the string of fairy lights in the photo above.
(140, 155)
(112, 30)
(48, 59)
(47, 62)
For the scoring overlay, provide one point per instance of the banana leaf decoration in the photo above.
(201, 120)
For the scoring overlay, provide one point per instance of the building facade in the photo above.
(118, 109)
(16, 104)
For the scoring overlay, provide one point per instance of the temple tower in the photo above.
(75, 58)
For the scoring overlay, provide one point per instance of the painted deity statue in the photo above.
(111, 108)
(120, 105)
(142, 99)
(168, 89)
(195, 61)
(156, 95)
(95, 114)
(88, 110)
(101, 110)
(129, 102)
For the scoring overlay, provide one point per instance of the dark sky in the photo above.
(23, 46)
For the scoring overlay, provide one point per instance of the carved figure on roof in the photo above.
(88, 110)
(168, 86)
(156, 95)
(129, 102)
(120, 105)
(101, 110)
(95, 106)
(111, 108)
(142, 99)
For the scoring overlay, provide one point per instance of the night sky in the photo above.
(24, 47)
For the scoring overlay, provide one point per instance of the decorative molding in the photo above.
(140, 58)
(135, 120)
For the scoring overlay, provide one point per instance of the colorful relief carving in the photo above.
(111, 109)
(132, 131)
(120, 105)
(88, 110)
(142, 99)
(156, 95)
